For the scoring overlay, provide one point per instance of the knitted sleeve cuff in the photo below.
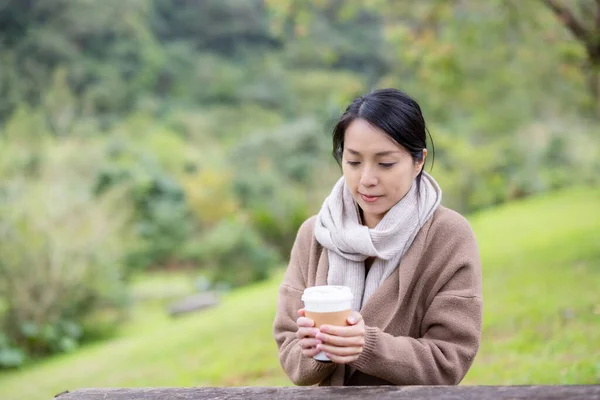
(368, 354)
(320, 366)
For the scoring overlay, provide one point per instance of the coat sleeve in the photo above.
(450, 329)
(300, 369)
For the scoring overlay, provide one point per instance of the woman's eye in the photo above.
(387, 165)
(353, 163)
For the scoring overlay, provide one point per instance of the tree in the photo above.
(582, 19)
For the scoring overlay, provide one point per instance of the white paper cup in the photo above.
(327, 305)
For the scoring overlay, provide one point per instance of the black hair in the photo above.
(393, 112)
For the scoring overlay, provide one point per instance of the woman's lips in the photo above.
(369, 199)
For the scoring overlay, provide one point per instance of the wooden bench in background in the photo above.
(569, 392)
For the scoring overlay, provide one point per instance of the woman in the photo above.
(412, 264)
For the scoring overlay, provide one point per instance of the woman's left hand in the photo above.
(343, 344)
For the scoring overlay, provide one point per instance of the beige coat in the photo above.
(423, 324)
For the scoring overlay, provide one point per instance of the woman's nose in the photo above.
(368, 177)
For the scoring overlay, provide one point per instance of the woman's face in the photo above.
(378, 171)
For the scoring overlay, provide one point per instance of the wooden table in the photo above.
(583, 392)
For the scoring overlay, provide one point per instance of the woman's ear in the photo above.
(421, 163)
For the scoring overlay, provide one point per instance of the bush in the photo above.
(276, 208)
(294, 151)
(275, 179)
(61, 249)
(537, 158)
(233, 253)
(146, 172)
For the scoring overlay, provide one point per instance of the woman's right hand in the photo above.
(306, 335)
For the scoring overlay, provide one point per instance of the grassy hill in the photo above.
(541, 260)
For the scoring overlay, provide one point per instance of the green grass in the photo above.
(541, 265)
(541, 260)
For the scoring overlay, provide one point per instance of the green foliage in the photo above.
(290, 149)
(209, 196)
(234, 254)
(326, 34)
(11, 356)
(224, 26)
(279, 214)
(95, 42)
(60, 246)
(539, 158)
(276, 197)
(161, 217)
(324, 93)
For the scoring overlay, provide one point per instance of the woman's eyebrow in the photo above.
(381, 153)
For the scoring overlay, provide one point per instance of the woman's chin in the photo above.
(377, 211)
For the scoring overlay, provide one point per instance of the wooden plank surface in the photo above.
(583, 392)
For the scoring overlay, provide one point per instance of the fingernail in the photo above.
(352, 320)
(324, 328)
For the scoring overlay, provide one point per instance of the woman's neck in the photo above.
(369, 220)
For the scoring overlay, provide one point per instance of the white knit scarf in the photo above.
(349, 243)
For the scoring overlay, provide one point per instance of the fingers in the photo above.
(342, 341)
(306, 332)
(309, 346)
(310, 352)
(339, 351)
(344, 331)
(309, 343)
(342, 344)
(305, 322)
(341, 359)
(354, 318)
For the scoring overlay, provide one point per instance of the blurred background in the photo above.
(158, 157)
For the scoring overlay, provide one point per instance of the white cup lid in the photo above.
(327, 294)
